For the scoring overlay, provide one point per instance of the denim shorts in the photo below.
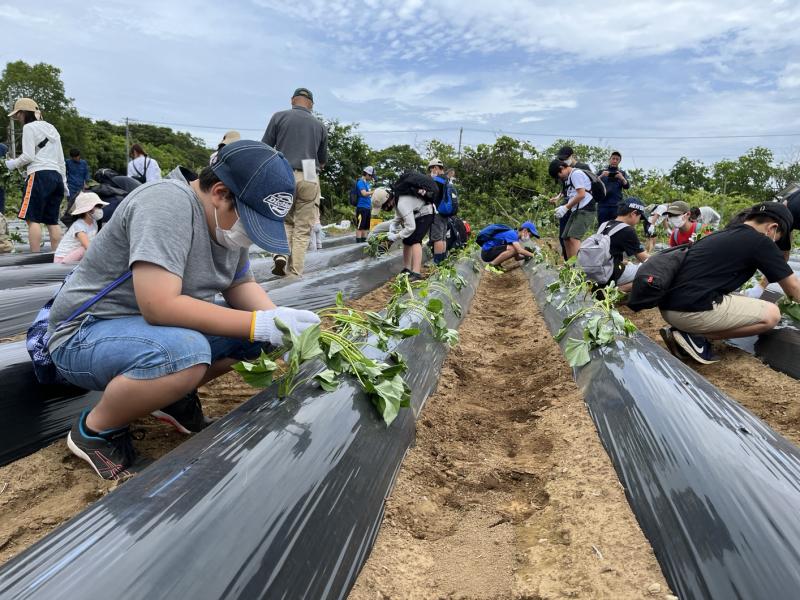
(101, 349)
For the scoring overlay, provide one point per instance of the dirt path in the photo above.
(40, 491)
(508, 492)
(770, 395)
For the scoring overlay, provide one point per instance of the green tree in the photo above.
(689, 175)
(751, 175)
(391, 161)
(348, 154)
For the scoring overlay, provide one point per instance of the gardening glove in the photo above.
(392, 237)
(561, 211)
(392, 227)
(265, 330)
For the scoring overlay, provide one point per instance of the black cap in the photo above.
(304, 92)
(565, 153)
(776, 211)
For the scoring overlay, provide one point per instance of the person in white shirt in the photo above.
(46, 181)
(705, 215)
(141, 167)
(80, 234)
(580, 204)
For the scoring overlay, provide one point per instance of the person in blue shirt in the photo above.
(507, 245)
(77, 173)
(364, 206)
(615, 180)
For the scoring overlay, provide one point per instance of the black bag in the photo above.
(654, 278)
(141, 177)
(597, 189)
(412, 183)
(355, 194)
(456, 233)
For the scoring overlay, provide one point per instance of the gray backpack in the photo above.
(594, 255)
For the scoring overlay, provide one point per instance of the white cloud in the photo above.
(790, 77)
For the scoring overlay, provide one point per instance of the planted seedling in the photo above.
(790, 308)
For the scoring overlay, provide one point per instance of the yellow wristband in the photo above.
(253, 327)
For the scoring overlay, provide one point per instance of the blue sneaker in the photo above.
(696, 346)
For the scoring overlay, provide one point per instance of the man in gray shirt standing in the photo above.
(300, 136)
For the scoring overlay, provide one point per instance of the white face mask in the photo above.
(97, 214)
(233, 238)
(676, 221)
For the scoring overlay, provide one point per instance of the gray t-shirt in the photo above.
(161, 223)
(298, 135)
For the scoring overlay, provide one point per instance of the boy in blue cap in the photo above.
(156, 335)
(505, 245)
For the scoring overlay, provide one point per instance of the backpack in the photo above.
(141, 177)
(594, 255)
(355, 194)
(655, 276)
(37, 339)
(412, 183)
(448, 205)
(488, 232)
(456, 233)
(597, 189)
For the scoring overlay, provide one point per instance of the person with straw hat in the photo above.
(89, 208)
(46, 173)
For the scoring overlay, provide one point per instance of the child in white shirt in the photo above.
(75, 243)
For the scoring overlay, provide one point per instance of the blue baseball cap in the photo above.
(530, 227)
(262, 182)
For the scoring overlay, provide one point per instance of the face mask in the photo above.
(97, 214)
(676, 221)
(233, 238)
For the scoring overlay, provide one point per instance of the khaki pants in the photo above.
(299, 220)
(732, 312)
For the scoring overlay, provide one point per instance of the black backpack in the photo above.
(141, 177)
(456, 233)
(597, 189)
(355, 194)
(654, 278)
(412, 183)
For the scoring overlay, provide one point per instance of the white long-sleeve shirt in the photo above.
(406, 207)
(49, 157)
(137, 166)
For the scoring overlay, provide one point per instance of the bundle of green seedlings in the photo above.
(603, 323)
(377, 245)
(342, 343)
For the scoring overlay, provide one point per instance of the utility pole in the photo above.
(460, 134)
(127, 140)
(12, 127)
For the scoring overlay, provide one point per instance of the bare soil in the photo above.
(508, 492)
(770, 395)
(41, 491)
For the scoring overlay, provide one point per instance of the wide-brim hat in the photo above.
(262, 182)
(86, 201)
(679, 207)
(24, 104)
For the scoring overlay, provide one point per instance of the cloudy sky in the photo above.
(706, 78)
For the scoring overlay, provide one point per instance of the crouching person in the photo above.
(500, 243)
(154, 333)
(622, 242)
(89, 210)
(700, 305)
(413, 218)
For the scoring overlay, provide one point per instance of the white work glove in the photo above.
(392, 227)
(392, 237)
(561, 211)
(754, 292)
(298, 321)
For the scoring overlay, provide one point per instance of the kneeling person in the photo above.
(505, 245)
(625, 242)
(701, 306)
(149, 342)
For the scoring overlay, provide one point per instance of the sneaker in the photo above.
(669, 340)
(696, 346)
(404, 271)
(185, 415)
(110, 453)
(415, 276)
(279, 268)
(492, 269)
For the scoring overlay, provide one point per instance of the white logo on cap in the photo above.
(279, 203)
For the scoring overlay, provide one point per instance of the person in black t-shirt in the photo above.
(701, 304)
(625, 242)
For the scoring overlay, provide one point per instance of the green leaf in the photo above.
(435, 305)
(629, 327)
(258, 373)
(307, 344)
(392, 393)
(327, 380)
(340, 299)
(576, 352)
(789, 308)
